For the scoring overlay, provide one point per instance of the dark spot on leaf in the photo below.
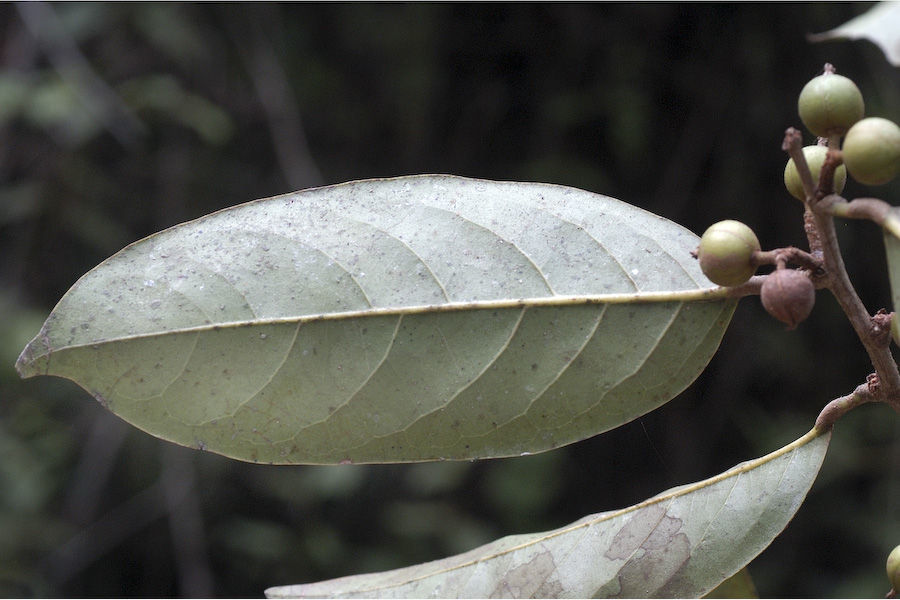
(655, 550)
(635, 532)
(536, 578)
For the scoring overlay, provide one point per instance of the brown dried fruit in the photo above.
(788, 295)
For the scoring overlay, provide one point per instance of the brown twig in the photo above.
(839, 283)
(873, 209)
(881, 328)
(833, 159)
(790, 255)
(821, 207)
(840, 406)
(812, 234)
(793, 145)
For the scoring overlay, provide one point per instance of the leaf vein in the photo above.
(362, 384)
(505, 240)
(605, 249)
(288, 349)
(485, 369)
(412, 251)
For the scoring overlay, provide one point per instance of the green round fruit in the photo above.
(830, 104)
(726, 251)
(815, 158)
(872, 151)
(788, 295)
(893, 568)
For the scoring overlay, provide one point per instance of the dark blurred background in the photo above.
(118, 120)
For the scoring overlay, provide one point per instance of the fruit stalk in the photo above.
(840, 406)
(873, 209)
(790, 255)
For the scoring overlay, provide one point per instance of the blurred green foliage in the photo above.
(118, 120)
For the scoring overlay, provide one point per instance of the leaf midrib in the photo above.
(702, 294)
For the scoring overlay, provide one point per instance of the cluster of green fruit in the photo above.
(831, 107)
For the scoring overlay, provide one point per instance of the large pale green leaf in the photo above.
(682, 543)
(880, 25)
(405, 319)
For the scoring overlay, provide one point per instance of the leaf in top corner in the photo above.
(417, 318)
(880, 25)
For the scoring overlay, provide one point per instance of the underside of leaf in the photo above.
(417, 318)
(679, 544)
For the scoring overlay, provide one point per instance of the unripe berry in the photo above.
(872, 151)
(725, 253)
(788, 295)
(829, 104)
(815, 158)
(893, 568)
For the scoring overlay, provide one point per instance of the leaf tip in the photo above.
(280, 592)
(24, 365)
(31, 362)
